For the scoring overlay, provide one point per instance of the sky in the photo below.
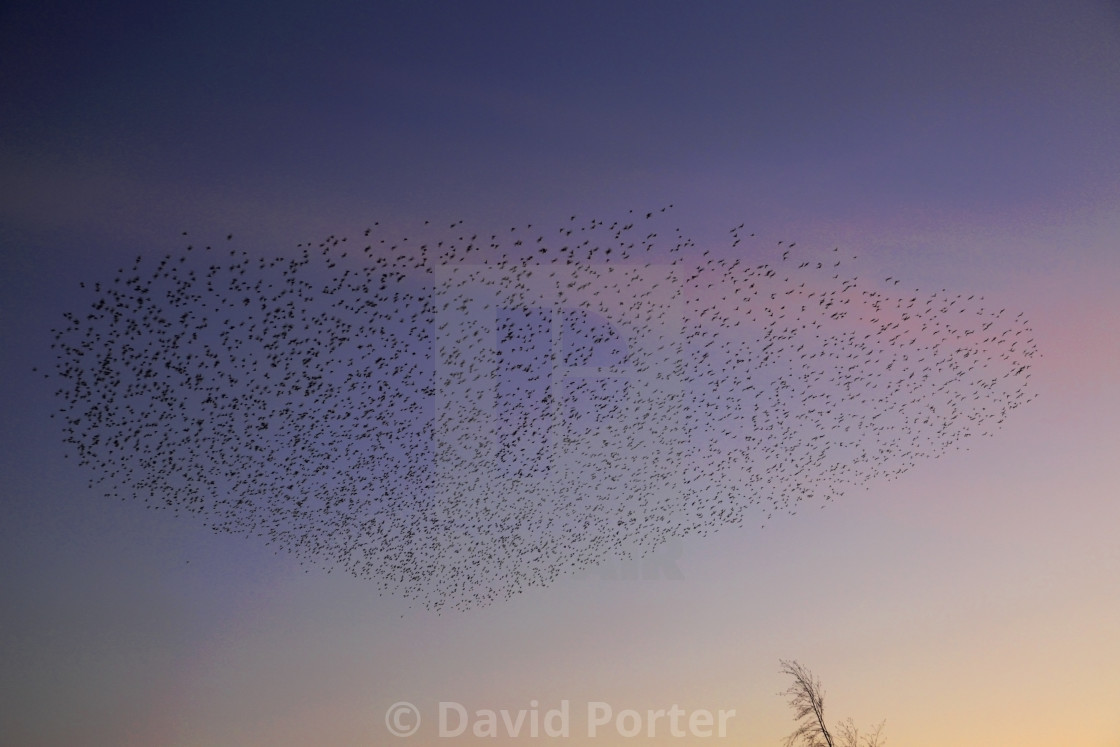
(965, 148)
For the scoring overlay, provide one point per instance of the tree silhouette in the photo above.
(806, 697)
(850, 736)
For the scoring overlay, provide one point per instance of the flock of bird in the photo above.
(464, 416)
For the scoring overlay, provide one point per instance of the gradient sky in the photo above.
(972, 146)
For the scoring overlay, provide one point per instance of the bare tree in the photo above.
(850, 736)
(806, 697)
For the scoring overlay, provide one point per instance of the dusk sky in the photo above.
(949, 150)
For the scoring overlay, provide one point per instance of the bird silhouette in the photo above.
(459, 419)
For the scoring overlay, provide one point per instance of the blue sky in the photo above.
(971, 147)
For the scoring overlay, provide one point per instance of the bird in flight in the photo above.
(462, 415)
